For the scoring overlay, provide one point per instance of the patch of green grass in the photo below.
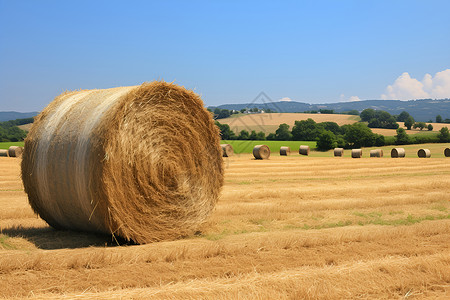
(4, 243)
(244, 182)
(247, 146)
(439, 207)
(6, 145)
(395, 212)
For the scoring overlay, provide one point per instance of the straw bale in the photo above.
(303, 150)
(4, 153)
(261, 152)
(284, 150)
(15, 151)
(356, 153)
(447, 152)
(397, 152)
(425, 153)
(338, 151)
(376, 153)
(227, 150)
(143, 162)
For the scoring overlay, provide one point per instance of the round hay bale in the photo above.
(376, 153)
(356, 153)
(425, 153)
(284, 150)
(261, 152)
(4, 153)
(143, 162)
(447, 152)
(15, 151)
(303, 150)
(397, 152)
(338, 151)
(227, 150)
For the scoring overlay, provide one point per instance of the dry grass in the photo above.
(285, 228)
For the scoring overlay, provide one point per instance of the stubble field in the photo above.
(285, 228)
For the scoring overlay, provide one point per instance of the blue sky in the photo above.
(228, 52)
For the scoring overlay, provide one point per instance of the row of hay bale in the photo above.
(395, 153)
(13, 151)
(263, 152)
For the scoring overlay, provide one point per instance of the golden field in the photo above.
(284, 228)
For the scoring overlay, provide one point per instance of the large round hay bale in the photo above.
(303, 150)
(376, 153)
(143, 162)
(227, 150)
(356, 153)
(4, 153)
(447, 152)
(284, 150)
(15, 151)
(261, 152)
(397, 152)
(425, 153)
(338, 151)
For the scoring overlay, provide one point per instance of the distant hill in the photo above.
(421, 110)
(13, 115)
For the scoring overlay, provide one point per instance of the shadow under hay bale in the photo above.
(376, 153)
(285, 151)
(15, 151)
(303, 150)
(424, 153)
(338, 152)
(114, 161)
(4, 153)
(447, 152)
(397, 152)
(261, 152)
(227, 150)
(356, 153)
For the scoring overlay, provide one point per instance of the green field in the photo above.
(6, 145)
(247, 146)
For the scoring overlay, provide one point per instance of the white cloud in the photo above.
(407, 88)
(354, 98)
(287, 99)
(342, 98)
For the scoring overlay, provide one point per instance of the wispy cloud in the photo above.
(287, 99)
(405, 87)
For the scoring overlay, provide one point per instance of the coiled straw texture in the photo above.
(142, 162)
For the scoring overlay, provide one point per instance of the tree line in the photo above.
(9, 132)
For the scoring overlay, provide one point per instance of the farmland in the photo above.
(288, 227)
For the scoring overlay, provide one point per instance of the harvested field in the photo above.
(284, 228)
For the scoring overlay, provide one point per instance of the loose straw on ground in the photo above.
(143, 162)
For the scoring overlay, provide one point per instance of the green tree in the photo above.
(409, 122)
(243, 110)
(326, 141)
(444, 135)
(359, 135)
(402, 116)
(271, 137)
(283, 133)
(367, 114)
(402, 137)
(243, 135)
(379, 140)
(252, 136)
(260, 136)
(225, 132)
(430, 127)
(438, 119)
(305, 130)
(420, 125)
